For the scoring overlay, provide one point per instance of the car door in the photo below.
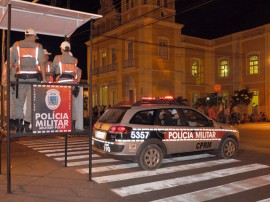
(201, 134)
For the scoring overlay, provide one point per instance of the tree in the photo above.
(242, 97)
(209, 100)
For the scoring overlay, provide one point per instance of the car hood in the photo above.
(224, 126)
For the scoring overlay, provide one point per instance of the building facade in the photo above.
(139, 50)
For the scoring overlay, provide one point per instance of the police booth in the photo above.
(51, 103)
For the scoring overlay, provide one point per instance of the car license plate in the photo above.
(100, 135)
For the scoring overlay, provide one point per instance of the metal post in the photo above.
(8, 102)
(2, 97)
(66, 139)
(90, 92)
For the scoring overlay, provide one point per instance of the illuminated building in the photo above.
(141, 51)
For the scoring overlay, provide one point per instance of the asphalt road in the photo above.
(255, 137)
(38, 173)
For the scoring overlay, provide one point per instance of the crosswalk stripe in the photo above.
(53, 141)
(97, 161)
(170, 183)
(56, 144)
(265, 200)
(160, 171)
(72, 157)
(55, 147)
(108, 168)
(220, 191)
(134, 165)
(71, 153)
(61, 150)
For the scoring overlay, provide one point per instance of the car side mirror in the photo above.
(211, 122)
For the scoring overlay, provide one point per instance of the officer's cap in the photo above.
(30, 31)
(65, 45)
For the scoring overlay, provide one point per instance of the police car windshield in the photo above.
(113, 115)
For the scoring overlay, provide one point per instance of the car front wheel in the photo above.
(228, 148)
(150, 157)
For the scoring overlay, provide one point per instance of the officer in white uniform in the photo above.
(28, 57)
(65, 66)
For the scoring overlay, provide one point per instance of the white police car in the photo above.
(147, 133)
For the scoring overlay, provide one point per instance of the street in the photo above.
(38, 173)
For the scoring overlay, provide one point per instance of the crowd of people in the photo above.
(29, 63)
(230, 114)
(98, 110)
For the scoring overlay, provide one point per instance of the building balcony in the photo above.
(105, 69)
(129, 63)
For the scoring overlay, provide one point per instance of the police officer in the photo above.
(49, 67)
(28, 57)
(65, 66)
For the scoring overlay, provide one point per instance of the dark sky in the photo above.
(214, 18)
(201, 18)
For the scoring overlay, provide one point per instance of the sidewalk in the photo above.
(35, 177)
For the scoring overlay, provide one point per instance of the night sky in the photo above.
(201, 18)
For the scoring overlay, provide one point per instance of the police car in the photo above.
(145, 133)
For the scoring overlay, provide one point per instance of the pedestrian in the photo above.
(28, 57)
(212, 112)
(234, 114)
(220, 113)
(66, 71)
(227, 114)
(49, 67)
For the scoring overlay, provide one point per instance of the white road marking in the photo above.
(264, 200)
(220, 191)
(97, 161)
(59, 147)
(46, 143)
(52, 141)
(72, 157)
(61, 150)
(134, 165)
(55, 144)
(108, 168)
(71, 153)
(165, 184)
(160, 171)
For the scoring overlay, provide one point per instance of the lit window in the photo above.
(224, 68)
(104, 55)
(253, 64)
(195, 68)
(163, 49)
